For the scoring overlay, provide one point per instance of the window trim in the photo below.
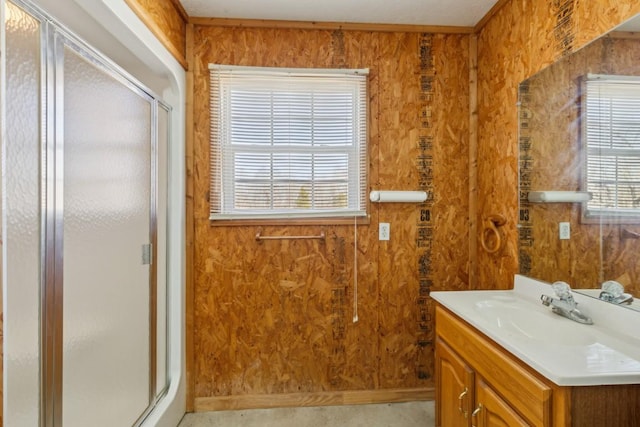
(595, 215)
(360, 150)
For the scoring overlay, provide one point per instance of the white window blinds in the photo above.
(612, 132)
(287, 143)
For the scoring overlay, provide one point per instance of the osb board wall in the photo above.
(519, 40)
(551, 119)
(167, 19)
(276, 317)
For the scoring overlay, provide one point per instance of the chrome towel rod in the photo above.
(260, 237)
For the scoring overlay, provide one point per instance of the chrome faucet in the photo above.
(564, 304)
(613, 292)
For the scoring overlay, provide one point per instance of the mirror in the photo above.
(579, 138)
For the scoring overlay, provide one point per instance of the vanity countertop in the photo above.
(566, 352)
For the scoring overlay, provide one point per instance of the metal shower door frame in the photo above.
(53, 38)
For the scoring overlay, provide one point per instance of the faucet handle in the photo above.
(562, 290)
(613, 288)
(613, 291)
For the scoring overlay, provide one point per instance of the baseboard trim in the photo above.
(357, 397)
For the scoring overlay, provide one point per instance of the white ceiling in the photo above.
(465, 13)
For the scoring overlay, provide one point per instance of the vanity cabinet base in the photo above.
(479, 383)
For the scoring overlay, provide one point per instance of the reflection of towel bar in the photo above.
(260, 237)
(559, 196)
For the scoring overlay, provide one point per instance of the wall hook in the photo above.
(491, 224)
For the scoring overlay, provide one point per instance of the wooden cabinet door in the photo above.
(491, 410)
(454, 388)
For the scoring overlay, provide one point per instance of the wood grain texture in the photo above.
(189, 226)
(167, 20)
(609, 406)
(455, 380)
(323, 25)
(522, 387)
(225, 403)
(473, 162)
(518, 41)
(275, 317)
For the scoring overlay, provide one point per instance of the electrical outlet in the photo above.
(384, 231)
(564, 229)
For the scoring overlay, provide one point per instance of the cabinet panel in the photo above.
(515, 383)
(492, 410)
(454, 388)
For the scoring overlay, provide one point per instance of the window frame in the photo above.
(599, 214)
(223, 162)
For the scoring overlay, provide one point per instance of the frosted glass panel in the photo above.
(21, 251)
(162, 182)
(107, 193)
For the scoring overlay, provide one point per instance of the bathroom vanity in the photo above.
(503, 359)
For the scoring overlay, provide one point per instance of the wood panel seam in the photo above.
(320, 25)
(352, 397)
(189, 227)
(157, 32)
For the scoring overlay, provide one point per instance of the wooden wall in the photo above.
(550, 115)
(522, 38)
(167, 20)
(274, 319)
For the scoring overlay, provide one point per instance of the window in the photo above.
(287, 143)
(611, 107)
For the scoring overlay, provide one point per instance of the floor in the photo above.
(411, 414)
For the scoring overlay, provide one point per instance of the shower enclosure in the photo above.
(84, 209)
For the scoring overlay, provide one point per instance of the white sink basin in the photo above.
(511, 317)
(564, 351)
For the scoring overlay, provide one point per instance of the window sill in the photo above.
(364, 220)
(608, 218)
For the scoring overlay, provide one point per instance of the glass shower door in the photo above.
(84, 242)
(21, 225)
(106, 194)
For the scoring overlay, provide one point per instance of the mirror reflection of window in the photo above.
(611, 138)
